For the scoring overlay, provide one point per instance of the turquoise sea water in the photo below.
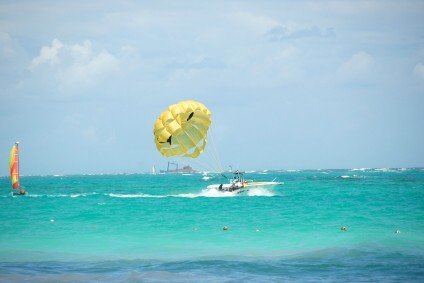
(159, 228)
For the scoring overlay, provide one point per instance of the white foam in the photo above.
(360, 169)
(63, 195)
(75, 195)
(211, 193)
(260, 192)
(51, 196)
(81, 195)
(58, 196)
(133, 196)
(34, 196)
(353, 177)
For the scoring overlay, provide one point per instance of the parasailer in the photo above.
(181, 130)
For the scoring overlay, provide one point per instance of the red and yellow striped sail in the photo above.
(14, 166)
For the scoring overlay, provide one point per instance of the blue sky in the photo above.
(290, 84)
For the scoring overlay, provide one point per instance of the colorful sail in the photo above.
(14, 166)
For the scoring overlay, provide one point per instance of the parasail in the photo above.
(182, 128)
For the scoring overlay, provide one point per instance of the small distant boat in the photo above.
(238, 184)
(14, 170)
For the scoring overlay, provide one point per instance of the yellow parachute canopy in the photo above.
(181, 130)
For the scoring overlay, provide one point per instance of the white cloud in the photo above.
(81, 53)
(48, 54)
(359, 66)
(419, 70)
(77, 63)
(87, 67)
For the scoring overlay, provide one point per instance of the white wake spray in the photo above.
(209, 193)
(134, 196)
(260, 192)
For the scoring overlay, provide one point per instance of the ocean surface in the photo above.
(169, 228)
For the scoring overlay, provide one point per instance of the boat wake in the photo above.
(207, 193)
(210, 193)
(260, 192)
(140, 195)
(73, 195)
(214, 193)
(203, 193)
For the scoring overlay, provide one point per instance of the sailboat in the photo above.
(14, 169)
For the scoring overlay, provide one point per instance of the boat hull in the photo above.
(224, 187)
(246, 186)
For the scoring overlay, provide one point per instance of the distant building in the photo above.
(185, 169)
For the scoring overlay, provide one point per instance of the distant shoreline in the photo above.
(378, 169)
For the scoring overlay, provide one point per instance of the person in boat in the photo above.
(21, 192)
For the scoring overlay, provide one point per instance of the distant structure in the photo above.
(185, 169)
